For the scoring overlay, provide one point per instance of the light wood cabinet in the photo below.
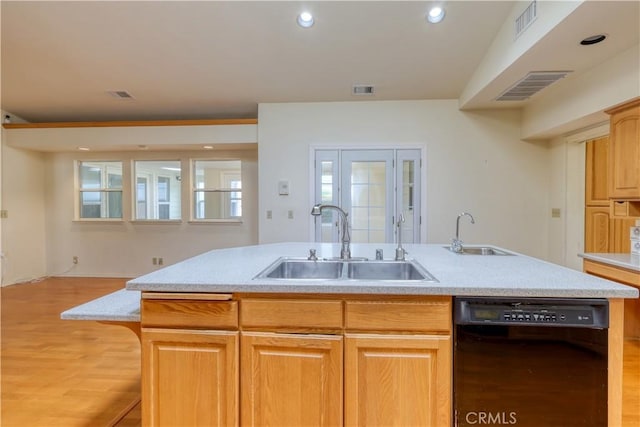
(291, 380)
(596, 172)
(607, 220)
(298, 360)
(397, 380)
(624, 151)
(189, 378)
(597, 229)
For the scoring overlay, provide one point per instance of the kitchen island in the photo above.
(222, 347)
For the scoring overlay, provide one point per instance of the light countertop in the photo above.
(234, 269)
(628, 261)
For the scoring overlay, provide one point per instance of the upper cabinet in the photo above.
(597, 162)
(624, 151)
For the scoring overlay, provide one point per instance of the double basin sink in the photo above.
(289, 268)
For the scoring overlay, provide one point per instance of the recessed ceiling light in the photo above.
(208, 147)
(435, 15)
(83, 148)
(593, 39)
(305, 20)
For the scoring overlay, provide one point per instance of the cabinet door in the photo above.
(189, 378)
(624, 154)
(291, 380)
(397, 380)
(597, 231)
(596, 184)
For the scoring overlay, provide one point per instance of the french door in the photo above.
(374, 187)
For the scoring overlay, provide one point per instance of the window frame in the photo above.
(102, 190)
(194, 199)
(153, 201)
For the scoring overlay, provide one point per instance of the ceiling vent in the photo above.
(361, 90)
(531, 84)
(526, 18)
(120, 94)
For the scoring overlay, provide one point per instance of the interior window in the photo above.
(158, 185)
(100, 190)
(217, 190)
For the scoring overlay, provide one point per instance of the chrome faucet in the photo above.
(456, 243)
(345, 252)
(400, 252)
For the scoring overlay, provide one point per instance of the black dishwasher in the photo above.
(530, 362)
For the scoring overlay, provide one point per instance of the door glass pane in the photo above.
(408, 198)
(359, 173)
(327, 196)
(368, 201)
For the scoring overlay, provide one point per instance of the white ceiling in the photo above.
(219, 59)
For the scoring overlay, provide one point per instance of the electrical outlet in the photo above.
(160, 261)
(75, 259)
(154, 261)
(269, 214)
(4, 213)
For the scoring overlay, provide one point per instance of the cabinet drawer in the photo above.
(420, 316)
(189, 313)
(287, 314)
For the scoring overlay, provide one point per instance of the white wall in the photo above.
(23, 231)
(125, 249)
(475, 162)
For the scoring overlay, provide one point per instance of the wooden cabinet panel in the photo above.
(291, 380)
(429, 315)
(597, 229)
(189, 314)
(189, 378)
(596, 173)
(288, 314)
(624, 152)
(397, 380)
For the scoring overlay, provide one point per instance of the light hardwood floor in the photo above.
(64, 372)
(85, 374)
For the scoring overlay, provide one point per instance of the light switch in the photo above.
(269, 214)
(283, 188)
(290, 214)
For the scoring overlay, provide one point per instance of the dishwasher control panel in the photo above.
(587, 313)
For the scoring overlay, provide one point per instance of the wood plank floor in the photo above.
(64, 372)
(85, 374)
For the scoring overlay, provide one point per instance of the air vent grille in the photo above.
(121, 94)
(361, 90)
(532, 83)
(526, 18)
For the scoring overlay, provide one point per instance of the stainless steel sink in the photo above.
(480, 250)
(388, 270)
(300, 268)
(287, 268)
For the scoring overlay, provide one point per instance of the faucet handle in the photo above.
(312, 255)
(379, 255)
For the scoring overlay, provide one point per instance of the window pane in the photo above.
(101, 204)
(158, 185)
(217, 192)
(217, 205)
(103, 178)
